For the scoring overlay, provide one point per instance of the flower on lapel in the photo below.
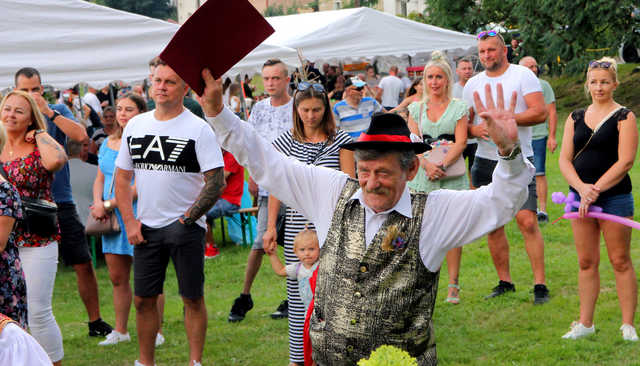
(393, 240)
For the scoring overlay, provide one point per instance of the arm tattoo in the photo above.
(48, 140)
(214, 185)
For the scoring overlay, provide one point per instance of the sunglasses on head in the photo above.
(486, 34)
(304, 85)
(599, 64)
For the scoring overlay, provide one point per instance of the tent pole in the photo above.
(243, 102)
(111, 98)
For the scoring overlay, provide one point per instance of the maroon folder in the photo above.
(218, 35)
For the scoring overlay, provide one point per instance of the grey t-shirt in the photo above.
(271, 122)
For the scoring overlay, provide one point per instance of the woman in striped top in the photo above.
(315, 140)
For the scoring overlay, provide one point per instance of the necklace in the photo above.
(438, 104)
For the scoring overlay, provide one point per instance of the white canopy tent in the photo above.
(70, 41)
(364, 34)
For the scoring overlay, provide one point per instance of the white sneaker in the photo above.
(159, 339)
(196, 363)
(629, 332)
(137, 363)
(114, 338)
(578, 331)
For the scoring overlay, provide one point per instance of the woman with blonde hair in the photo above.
(30, 157)
(598, 150)
(439, 116)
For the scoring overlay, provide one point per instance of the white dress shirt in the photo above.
(17, 347)
(451, 218)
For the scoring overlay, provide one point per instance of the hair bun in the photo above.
(438, 55)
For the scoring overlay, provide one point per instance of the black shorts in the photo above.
(73, 248)
(184, 244)
(482, 174)
(469, 153)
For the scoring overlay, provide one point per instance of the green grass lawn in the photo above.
(503, 331)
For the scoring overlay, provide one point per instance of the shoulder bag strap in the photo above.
(594, 131)
(113, 178)
(420, 119)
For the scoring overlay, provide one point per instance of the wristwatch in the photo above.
(36, 132)
(55, 115)
(187, 220)
(107, 205)
(514, 153)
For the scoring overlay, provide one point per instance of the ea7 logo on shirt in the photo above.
(164, 153)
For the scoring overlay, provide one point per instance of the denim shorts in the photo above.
(619, 205)
(222, 207)
(539, 154)
(263, 217)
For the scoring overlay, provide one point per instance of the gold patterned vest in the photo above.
(368, 297)
(4, 320)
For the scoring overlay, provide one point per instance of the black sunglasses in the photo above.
(304, 85)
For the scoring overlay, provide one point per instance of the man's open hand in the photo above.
(211, 98)
(501, 123)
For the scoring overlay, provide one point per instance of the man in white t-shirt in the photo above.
(390, 88)
(464, 70)
(179, 175)
(91, 99)
(270, 117)
(520, 82)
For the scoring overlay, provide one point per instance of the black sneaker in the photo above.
(99, 328)
(543, 218)
(540, 294)
(502, 288)
(241, 306)
(282, 311)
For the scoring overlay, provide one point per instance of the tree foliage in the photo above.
(161, 9)
(470, 15)
(567, 34)
(563, 34)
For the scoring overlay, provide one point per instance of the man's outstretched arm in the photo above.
(312, 191)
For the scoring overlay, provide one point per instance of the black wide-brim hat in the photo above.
(387, 131)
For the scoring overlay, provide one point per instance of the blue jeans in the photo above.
(222, 208)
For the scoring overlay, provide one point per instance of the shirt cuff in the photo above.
(514, 166)
(224, 119)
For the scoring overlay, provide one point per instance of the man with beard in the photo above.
(518, 82)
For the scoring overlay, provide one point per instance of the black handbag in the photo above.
(40, 217)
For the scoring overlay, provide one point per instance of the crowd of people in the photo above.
(368, 182)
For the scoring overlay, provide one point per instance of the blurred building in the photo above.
(396, 7)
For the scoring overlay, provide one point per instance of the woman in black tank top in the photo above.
(598, 150)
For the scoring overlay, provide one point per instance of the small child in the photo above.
(306, 248)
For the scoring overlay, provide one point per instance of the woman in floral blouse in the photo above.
(30, 157)
(13, 290)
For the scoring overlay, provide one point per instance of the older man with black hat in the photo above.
(382, 246)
